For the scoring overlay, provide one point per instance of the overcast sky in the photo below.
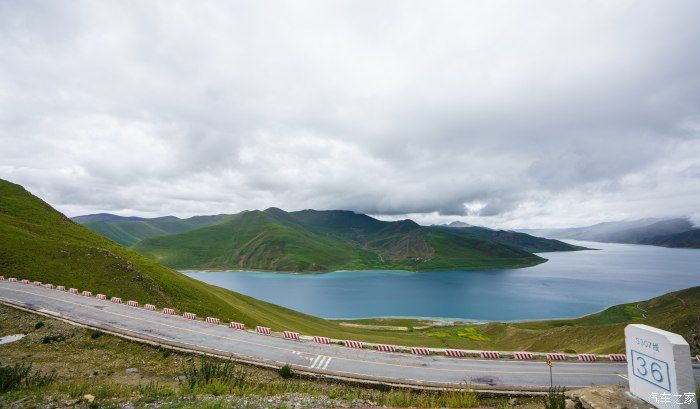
(499, 113)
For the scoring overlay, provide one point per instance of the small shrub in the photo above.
(151, 392)
(95, 334)
(555, 399)
(286, 371)
(166, 353)
(209, 371)
(39, 325)
(50, 339)
(11, 376)
(20, 374)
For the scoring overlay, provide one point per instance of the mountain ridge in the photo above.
(676, 232)
(327, 240)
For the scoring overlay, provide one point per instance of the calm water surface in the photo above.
(570, 284)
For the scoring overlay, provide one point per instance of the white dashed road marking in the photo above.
(321, 362)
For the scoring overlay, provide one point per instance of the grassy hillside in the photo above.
(524, 241)
(130, 230)
(328, 240)
(40, 243)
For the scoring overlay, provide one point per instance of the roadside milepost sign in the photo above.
(659, 367)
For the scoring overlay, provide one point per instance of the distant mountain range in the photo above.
(311, 240)
(127, 231)
(678, 232)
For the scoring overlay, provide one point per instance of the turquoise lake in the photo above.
(570, 284)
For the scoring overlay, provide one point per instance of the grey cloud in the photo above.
(533, 114)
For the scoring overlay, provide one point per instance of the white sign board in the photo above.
(659, 367)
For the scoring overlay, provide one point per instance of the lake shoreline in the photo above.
(570, 285)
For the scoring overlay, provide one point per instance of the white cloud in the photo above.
(497, 113)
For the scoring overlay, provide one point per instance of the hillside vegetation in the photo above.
(311, 240)
(128, 231)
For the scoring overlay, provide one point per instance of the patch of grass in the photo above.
(286, 371)
(51, 339)
(38, 325)
(210, 372)
(11, 376)
(166, 352)
(439, 334)
(555, 399)
(20, 374)
(404, 398)
(95, 334)
(473, 333)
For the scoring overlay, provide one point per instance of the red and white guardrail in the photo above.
(354, 344)
(291, 335)
(556, 356)
(587, 357)
(617, 357)
(456, 353)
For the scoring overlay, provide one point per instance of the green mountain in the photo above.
(524, 241)
(687, 239)
(130, 230)
(311, 240)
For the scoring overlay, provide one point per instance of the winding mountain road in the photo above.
(306, 356)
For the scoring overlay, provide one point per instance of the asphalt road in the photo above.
(307, 356)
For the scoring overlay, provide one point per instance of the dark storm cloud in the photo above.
(536, 113)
